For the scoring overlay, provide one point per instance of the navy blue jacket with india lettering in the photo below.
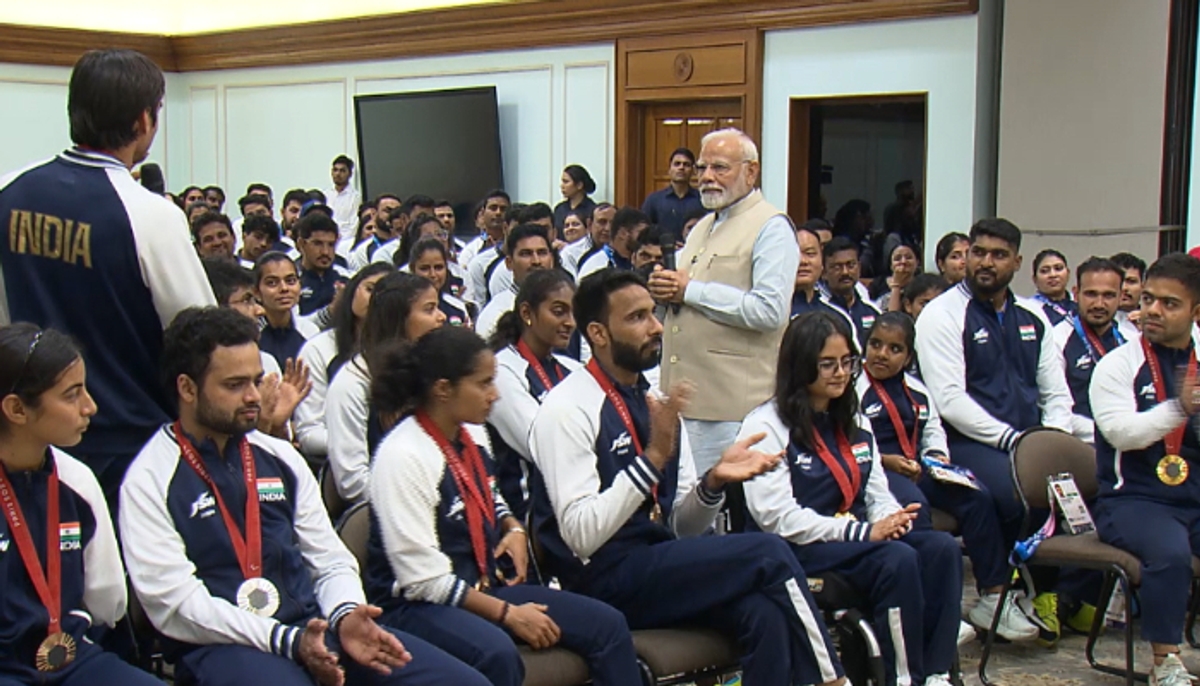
(182, 562)
(1131, 425)
(89, 251)
(93, 582)
(992, 375)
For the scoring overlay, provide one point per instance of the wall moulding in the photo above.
(505, 26)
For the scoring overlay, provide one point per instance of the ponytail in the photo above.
(403, 373)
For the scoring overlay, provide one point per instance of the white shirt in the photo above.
(347, 412)
(386, 252)
(472, 248)
(501, 302)
(344, 204)
(570, 255)
(309, 417)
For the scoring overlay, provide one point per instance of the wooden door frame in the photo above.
(633, 98)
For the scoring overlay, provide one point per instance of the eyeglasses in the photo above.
(829, 367)
(25, 365)
(247, 300)
(718, 168)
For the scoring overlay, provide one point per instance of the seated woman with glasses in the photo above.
(832, 504)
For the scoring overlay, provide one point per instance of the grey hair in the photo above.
(749, 149)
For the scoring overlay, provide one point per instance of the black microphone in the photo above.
(666, 241)
(152, 178)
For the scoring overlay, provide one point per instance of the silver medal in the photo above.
(258, 597)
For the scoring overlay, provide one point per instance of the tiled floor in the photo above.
(1028, 664)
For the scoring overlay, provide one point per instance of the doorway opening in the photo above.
(859, 163)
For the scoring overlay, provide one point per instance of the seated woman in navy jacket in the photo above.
(61, 580)
(440, 525)
(831, 502)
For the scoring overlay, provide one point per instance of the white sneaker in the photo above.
(966, 634)
(1013, 624)
(1171, 673)
(938, 680)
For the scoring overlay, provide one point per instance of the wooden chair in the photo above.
(335, 505)
(1043, 452)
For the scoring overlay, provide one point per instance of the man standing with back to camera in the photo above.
(89, 251)
(731, 296)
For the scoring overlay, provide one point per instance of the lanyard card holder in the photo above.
(948, 473)
(1065, 493)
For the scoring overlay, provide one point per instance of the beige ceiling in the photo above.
(176, 17)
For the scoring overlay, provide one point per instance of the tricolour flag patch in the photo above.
(270, 486)
(69, 532)
(862, 452)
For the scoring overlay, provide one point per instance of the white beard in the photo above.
(716, 201)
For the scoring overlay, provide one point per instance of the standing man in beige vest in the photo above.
(732, 293)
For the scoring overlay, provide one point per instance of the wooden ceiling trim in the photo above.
(505, 26)
(62, 47)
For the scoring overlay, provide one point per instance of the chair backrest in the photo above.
(334, 504)
(1044, 452)
(355, 530)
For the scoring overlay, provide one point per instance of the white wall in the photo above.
(284, 126)
(940, 57)
(1081, 133)
(34, 118)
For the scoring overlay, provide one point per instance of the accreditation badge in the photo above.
(1172, 470)
(56, 652)
(258, 597)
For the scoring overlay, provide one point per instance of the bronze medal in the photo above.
(56, 652)
(656, 514)
(1172, 470)
(483, 585)
(846, 515)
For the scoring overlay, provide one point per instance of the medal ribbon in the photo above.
(537, 367)
(1062, 311)
(49, 584)
(1095, 347)
(249, 548)
(849, 480)
(1173, 440)
(908, 445)
(618, 402)
(471, 479)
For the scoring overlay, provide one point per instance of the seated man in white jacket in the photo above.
(229, 548)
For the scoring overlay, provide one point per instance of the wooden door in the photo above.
(672, 125)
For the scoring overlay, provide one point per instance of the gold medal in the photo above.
(483, 585)
(846, 515)
(656, 514)
(56, 652)
(1172, 470)
(258, 597)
